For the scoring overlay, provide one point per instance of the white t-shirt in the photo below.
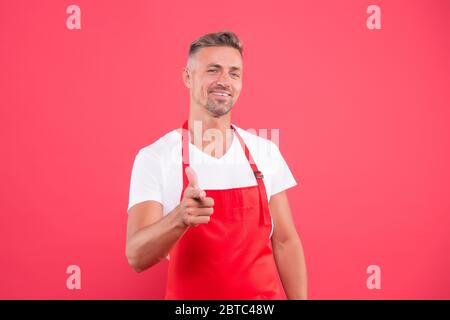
(157, 169)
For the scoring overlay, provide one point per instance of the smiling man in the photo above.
(211, 197)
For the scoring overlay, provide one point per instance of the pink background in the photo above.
(363, 118)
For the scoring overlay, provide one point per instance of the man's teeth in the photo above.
(220, 94)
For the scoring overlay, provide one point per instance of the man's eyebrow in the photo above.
(216, 65)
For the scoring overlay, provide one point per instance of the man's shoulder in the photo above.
(163, 146)
(256, 138)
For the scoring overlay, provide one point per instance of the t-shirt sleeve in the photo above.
(146, 178)
(282, 178)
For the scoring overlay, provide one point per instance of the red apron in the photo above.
(231, 256)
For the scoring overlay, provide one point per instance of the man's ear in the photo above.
(186, 75)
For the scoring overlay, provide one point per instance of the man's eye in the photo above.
(236, 75)
(212, 70)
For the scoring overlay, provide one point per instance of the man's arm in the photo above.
(150, 236)
(288, 249)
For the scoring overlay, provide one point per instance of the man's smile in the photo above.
(220, 93)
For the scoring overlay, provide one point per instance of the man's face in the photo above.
(215, 79)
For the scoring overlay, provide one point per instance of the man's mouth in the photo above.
(220, 93)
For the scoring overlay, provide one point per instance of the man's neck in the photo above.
(212, 135)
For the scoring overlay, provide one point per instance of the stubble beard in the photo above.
(218, 109)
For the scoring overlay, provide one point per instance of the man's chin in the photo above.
(218, 111)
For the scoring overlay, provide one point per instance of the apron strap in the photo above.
(185, 154)
(263, 200)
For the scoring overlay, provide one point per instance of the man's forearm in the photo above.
(151, 244)
(291, 265)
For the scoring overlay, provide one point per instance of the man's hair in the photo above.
(218, 39)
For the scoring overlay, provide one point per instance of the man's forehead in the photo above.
(225, 57)
(222, 65)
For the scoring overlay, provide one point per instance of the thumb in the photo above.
(192, 177)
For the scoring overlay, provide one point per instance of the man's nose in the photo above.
(224, 79)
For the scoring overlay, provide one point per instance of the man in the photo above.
(216, 208)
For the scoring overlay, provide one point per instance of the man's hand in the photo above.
(195, 208)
